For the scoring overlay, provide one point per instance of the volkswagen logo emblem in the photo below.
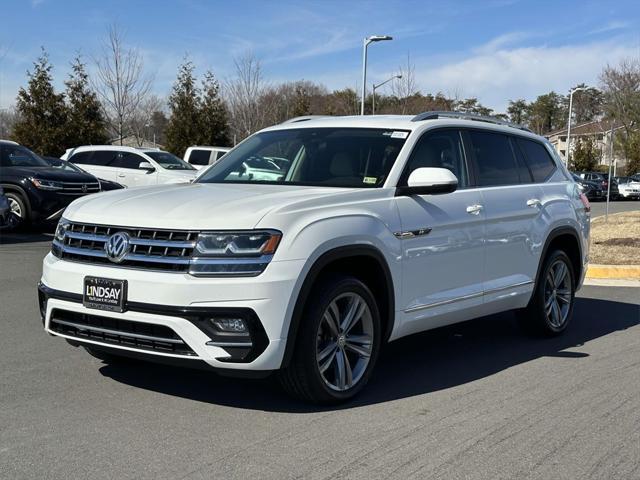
(117, 247)
(85, 188)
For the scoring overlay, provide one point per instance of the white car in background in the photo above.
(628, 187)
(131, 167)
(202, 156)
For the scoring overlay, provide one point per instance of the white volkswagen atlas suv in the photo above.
(372, 229)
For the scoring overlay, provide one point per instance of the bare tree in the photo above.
(120, 81)
(140, 123)
(405, 87)
(245, 95)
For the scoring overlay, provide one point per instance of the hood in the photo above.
(198, 206)
(46, 173)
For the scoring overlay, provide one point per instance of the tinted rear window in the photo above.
(538, 159)
(199, 157)
(81, 158)
(495, 160)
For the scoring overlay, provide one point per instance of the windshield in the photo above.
(63, 165)
(334, 157)
(19, 156)
(169, 161)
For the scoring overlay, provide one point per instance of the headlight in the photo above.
(46, 184)
(234, 253)
(61, 229)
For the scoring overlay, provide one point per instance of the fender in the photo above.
(555, 233)
(313, 274)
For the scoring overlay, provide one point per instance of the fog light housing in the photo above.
(235, 326)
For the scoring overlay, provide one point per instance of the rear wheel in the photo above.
(551, 306)
(337, 344)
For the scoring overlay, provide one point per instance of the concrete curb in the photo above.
(629, 272)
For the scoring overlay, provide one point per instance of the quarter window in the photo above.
(439, 149)
(538, 159)
(495, 160)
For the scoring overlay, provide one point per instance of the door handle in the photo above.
(121, 175)
(534, 202)
(474, 209)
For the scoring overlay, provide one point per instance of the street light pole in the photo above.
(571, 92)
(365, 44)
(373, 94)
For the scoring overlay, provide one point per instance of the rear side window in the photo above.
(81, 158)
(538, 160)
(102, 157)
(495, 160)
(199, 157)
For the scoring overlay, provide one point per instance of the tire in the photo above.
(106, 357)
(19, 209)
(551, 307)
(322, 341)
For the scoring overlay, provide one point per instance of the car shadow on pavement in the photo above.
(40, 233)
(416, 365)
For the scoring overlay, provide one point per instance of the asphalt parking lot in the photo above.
(477, 400)
(600, 208)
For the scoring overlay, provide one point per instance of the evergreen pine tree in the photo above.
(42, 112)
(86, 124)
(213, 114)
(183, 128)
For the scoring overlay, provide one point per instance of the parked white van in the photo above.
(131, 167)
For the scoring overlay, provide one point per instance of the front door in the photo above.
(442, 240)
(130, 174)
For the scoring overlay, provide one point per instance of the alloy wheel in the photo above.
(557, 294)
(16, 209)
(344, 342)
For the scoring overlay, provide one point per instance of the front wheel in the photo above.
(551, 306)
(337, 343)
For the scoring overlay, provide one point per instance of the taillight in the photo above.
(585, 202)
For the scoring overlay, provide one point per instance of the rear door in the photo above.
(129, 172)
(97, 163)
(513, 215)
(442, 240)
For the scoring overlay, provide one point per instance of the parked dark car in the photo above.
(601, 179)
(592, 190)
(105, 185)
(36, 191)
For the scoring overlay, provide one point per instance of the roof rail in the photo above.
(304, 118)
(466, 116)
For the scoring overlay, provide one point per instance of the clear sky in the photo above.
(494, 49)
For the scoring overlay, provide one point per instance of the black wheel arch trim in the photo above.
(555, 233)
(338, 253)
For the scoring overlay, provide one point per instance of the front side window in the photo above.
(19, 156)
(441, 149)
(334, 157)
(169, 161)
(495, 160)
(199, 157)
(538, 159)
(127, 160)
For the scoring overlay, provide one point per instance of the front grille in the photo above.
(113, 331)
(168, 250)
(80, 188)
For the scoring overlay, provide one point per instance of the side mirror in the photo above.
(147, 167)
(429, 181)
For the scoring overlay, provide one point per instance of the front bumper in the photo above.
(182, 303)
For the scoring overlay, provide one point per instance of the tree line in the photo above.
(117, 102)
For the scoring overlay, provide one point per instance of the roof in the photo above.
(114, 147)
(587, 128)
(395, 122)
(8, 142)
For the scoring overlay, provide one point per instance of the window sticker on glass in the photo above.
(369, 180)
(399, 135)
